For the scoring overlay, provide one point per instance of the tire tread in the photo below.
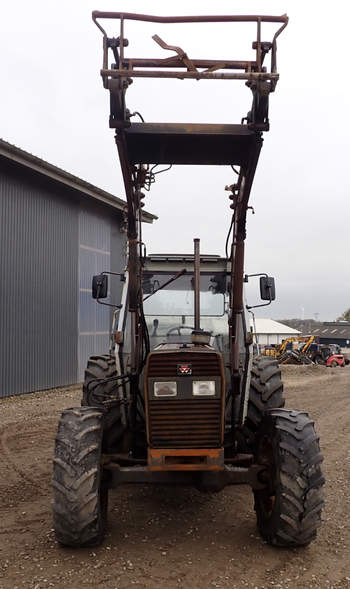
(266, 392)
(78, 517)
(296, 515)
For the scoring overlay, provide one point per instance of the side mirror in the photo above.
(267, 288)
(100, 286)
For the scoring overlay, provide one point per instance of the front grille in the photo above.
(188, 423)
(165, 363)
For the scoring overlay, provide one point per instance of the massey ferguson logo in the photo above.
(184, 369)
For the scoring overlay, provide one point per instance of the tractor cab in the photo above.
(168, 303)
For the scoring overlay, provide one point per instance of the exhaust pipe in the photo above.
(197, 311)
(199, 337)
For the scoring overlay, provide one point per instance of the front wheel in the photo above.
(288, 509)
(80, 490)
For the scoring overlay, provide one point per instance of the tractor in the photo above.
(180, 399)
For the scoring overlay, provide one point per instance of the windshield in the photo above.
(169, 312)
(177, 298)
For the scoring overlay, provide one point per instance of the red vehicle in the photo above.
(335, 360)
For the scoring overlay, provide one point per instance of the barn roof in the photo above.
(28, 160)
(335, 330)
(269, 326)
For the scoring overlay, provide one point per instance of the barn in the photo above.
(335, 332)
(271, 332)
(56, 231)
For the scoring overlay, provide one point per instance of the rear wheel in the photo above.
(99, 383)
(98, 368)
(80, 491)
(289, 509)
(266, 392)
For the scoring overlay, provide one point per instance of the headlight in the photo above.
(203, 388)
(165, 389)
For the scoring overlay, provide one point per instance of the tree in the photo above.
(345, 316)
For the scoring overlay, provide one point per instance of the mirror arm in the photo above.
(108, 304)
(246, 276)
(121, 274)
(248, 307)
(255, 306)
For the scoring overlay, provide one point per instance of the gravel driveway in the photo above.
(165, 537)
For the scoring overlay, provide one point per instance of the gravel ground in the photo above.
(165, 537)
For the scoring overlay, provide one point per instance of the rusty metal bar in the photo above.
(210, 71)
(253, 76)
(274, 46)
(127, 177)
(214, 480)
(258, 45)
(121, 39)
(172, 62)
(237, 268)
(237, 301)
(105, 52)
(196, 284)
(186, 61)
(189, 19)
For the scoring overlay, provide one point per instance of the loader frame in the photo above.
(208, 416)
(142, 146)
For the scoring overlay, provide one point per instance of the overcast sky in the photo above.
(54, 106)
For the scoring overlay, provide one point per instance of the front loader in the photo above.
(180, 399)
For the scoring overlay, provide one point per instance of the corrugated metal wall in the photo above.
(38, 285)
(99, 236)
(51, 243)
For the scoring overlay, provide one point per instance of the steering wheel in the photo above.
(178, 329)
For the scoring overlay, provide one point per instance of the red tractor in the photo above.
(328, 355)
(180, 401)
(335, 360)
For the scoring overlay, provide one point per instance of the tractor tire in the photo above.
(334, 364)
(103, 367)
(320, 361)
(266, 392)
(80, 490)
(98, 367)
(289, 509)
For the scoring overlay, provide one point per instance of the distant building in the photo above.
(56, 231)
(336, 332)
(272, 332)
